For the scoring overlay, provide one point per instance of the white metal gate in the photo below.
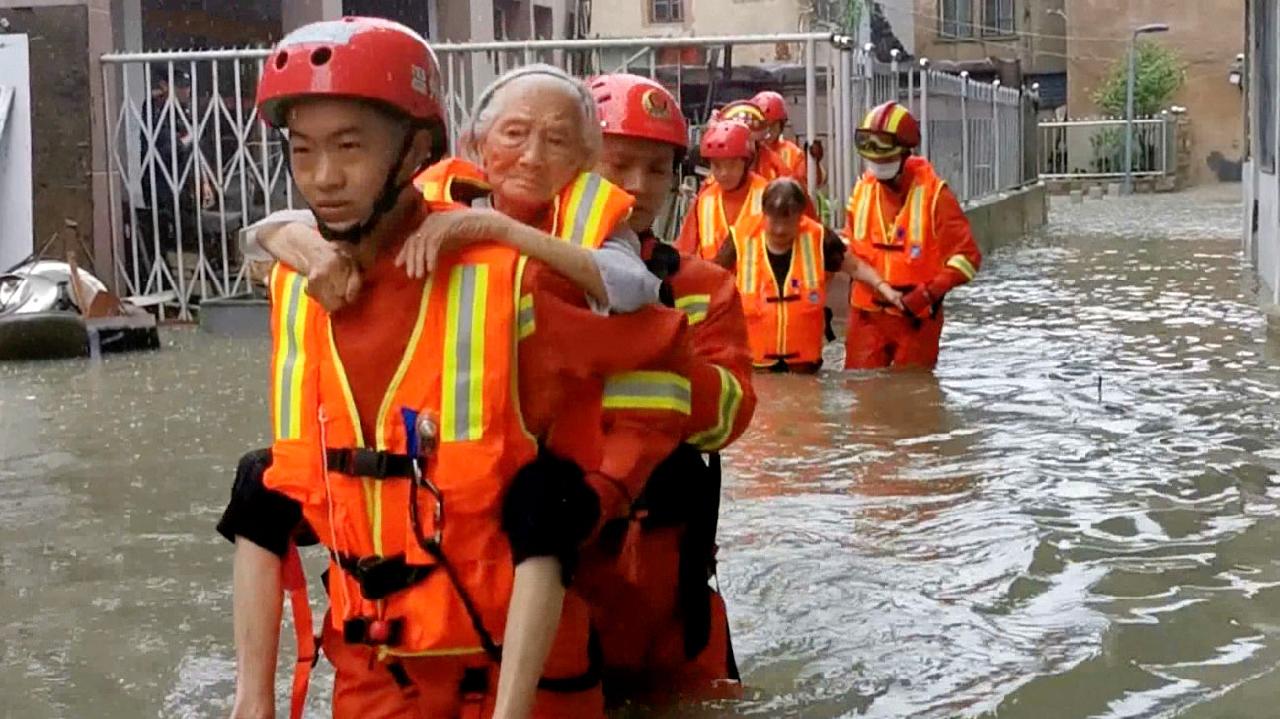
(191, 163)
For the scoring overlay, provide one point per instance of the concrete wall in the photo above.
(1207, 35)
(1038, 43)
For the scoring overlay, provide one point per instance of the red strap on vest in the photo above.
(295, 585)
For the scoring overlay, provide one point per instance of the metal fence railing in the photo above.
(1094, 149)
(191, 163)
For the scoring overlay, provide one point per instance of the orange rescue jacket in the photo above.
(709, 214)
(783, 323)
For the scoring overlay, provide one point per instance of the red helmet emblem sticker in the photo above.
(655, 104)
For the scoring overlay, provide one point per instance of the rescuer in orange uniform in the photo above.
(398, 439)
(907, 224)
(790, 156)
(664, 632)
(733, 197)
(767, 163)
(782, 261)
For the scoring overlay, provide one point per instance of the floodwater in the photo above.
(1077, 516)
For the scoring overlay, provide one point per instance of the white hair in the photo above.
(491, 103)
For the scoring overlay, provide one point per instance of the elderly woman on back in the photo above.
(531, 140)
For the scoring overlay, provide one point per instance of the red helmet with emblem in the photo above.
(772, 105)
(887, 129)
(727, 139)
(357, 57)
(634, 106)
(743, 111)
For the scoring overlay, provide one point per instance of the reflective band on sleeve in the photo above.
(462, 398)
(290, 359)
(694, 307)
(714, 438)
(525, 317)
(961, 264)
(647, 390)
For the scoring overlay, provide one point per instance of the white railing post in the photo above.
(893, 71)
(810, 110)
(925, 73)
(964, 134)
(997, 181)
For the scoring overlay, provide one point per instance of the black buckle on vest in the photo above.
(380, 577)
(888, 248)
(361, 630)
(787, 356)
(784, 298)
(361, 462)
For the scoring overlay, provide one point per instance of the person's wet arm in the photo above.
(292, 238)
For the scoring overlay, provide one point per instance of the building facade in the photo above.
(1206, 35)
(1020, 41)
(1261, 174)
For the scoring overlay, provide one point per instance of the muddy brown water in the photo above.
(1006, 538)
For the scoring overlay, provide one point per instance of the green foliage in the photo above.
(851, 16)
(1159, 73)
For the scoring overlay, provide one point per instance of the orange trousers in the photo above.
(635, 611)
(879, 339)
(460, 687)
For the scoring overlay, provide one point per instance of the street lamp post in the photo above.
(1128, 100)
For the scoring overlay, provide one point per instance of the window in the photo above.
(997, 17)
(1264, 23)
(666, 10)
(956, 18)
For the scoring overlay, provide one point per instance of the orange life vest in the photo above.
(713, 226)
(437, 181)
(902, 249)
(792, 158)
(460, 367)
(783, 323)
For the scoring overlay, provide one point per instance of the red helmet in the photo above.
(633, 106)
(889, 124)
(727, 139)
(743, 111)
(357, 57)
(772, 105)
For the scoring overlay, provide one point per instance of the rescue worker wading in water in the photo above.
(410, 442)
(790, 156)
(905, 222)
(782, 261)
(730, 196)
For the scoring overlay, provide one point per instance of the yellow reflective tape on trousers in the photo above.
(462, 390)
(714, 438)
(809, 261)
(588, 202)
(525, 317)
(961, 264)
(291, 360)
(694, 307)
(647, 390)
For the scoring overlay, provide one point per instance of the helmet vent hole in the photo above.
(321, 56)
(281, 59)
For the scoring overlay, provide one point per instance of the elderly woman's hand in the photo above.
(448, 231)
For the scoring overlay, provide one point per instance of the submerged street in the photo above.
(1075, 517)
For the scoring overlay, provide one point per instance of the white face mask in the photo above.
(883, 171)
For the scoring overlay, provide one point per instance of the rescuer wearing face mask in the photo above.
(905, 222)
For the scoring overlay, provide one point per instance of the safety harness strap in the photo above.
(295, 585)
(361, 462)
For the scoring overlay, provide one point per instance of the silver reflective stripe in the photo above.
(466, 279)
(586, 202)
(294, 340)
(648, 390)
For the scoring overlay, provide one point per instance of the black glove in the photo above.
(664, 261)
(549, 511)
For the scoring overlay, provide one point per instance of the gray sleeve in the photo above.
(627, 281)
(252, 249)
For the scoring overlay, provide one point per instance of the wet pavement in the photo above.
(1076, 517)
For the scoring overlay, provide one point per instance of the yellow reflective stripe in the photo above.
(290, 359)
(525, 317)
(647, 390)
(384, 652)
(348, 399)
(962, 264)
(916, 221)
(809, 261)
(708, 208)
(747, 265)
(586, 207)
(714, 438)
(754, 201)
(694, 306)
(462, 391)
(863, 215)
(514, 364)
